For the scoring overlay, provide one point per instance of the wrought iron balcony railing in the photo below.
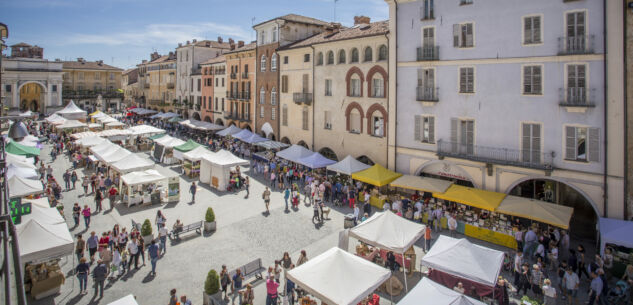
(496, 155)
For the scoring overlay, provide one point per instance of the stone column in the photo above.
(16, 99)
(47, 100)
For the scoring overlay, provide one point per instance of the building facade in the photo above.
(213, 87)
(129, 84)
(519, 111)
(30, 82)
(161, 77)
(628, 60)
(92, 85)
(271, 35)
(240, 100)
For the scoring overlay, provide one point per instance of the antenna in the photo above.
(335, 1)
(252, 24)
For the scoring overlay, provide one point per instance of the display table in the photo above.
(47, 287)
(491, 236)
(376, 201)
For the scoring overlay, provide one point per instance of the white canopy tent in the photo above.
(428, 292)
(72, 112)
(338, 277)
(42, 242)
(44, 215)
(141, 130)
(24, 172)
(126, 300)
(114, 155)
(20, 187)
(294, 153)
(55, 119)
(41, 202)
(114, 124)
(132, 163)
(197, 153)
(229, 131)
(84, 134)
(461, 258)
(142, 177)
(21, 161)
(70, 124)
(90, 141)
(169, 141)
(215, 168)
(348, 166)
(102, 147)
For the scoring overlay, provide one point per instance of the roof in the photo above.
(357, 31)
(215, 60)
(128, 71)
(164, 58)
(212, 44)
(246, 47)
(88, 65)
(21, 44)
(298, 19)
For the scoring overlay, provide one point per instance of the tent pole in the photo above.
(404, 267)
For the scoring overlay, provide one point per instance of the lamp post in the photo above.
(4, 33)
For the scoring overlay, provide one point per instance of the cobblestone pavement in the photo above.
(243, 233)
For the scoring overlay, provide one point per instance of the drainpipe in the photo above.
(387, 95)
(606, 107)
(313, 99)
(625, 213)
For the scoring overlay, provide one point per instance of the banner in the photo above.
(491, 236)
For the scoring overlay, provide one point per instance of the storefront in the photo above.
(145, 187)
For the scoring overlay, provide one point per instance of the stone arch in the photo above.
(185, 115)
(303, 143)
(370, 76)
(219, 122)
(373, 108)
(366, 160)
(328, 153)
(207, 119)
(348, 110)
(229, 123)
(449, 165)
(34, 101)
(348, 78)
(247, 127)
(285, 140)
(196, 116)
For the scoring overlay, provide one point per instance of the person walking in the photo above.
(160, 220)
(287, 196)
(154, 253)
(99, 275)
(76, 214)
(427, 239)
(173, 299)
(85, 182)
(93, 245)
(80, 247)
(595, 291)
(66, 177)
(571, 283)
(225, 280)
(271, 291)
(74, 178)
(162, 235)
(518, 262)
(98, 199)
(112, 192)
(236, 286)
(303, 258)
(266, 197)
(452, 225)
(141, 248)
(184, 300)
(192, 190)
(247, 184)
(82, 270)
(549, 293)
(133, 250)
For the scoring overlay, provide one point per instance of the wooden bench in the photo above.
(254, 268)
(196, 226)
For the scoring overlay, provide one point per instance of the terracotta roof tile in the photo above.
(88, 65)
(214, 60)
(247, 47)
(298, 19)
(357, 31)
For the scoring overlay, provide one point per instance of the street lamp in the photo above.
(18, 131)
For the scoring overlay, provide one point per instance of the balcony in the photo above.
(576, 97)
(424, 94)
(197, 107)
(233, 75)
(244, 75)
(302, 97)
(88, 94)
(242, 117)
(219, 72)
(495, 155)
(171, 85)
(427, 53)
(146, 85)
(245, 95)
(575, 45)
(232, 95)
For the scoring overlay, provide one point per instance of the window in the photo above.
(378, 125)
(532, 30)
(328, 87)
(246, 67)
(273, 115)
(262, 96)
(382, 52)
(330, 58)
(426, 11)
(273, 62)
(355, 121)
(273, 96)
(327, 117)
(354, 87)
(425, 129)
(111, 76)
(426, 85)
(306, 57)
(222, 104)
(464, 2)
(284, 115)
(198, 87)
(54, 87)
(531, 143)
(463, 35)
(216, 81)
(216, 104)
(368, 54)
(532, 80)
(284, 84)
(7, 88)
(575, 28)
(463, 136)
(247, 110)
(223, 82)
(261, 111)
(467, 80)
(378, 87)
(204, 102)
(582, 144)
(576, 85)
(275, 34)
(263, 37)
(341, 57)
(97, 76)
(262, 64)
(354, 58)
(80, 75)
(304, 118)
(187, 55)
(80, 87)
(319, 59)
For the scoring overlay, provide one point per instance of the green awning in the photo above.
(175, 120)
(22, 150)
(154, 137)
(189, 145)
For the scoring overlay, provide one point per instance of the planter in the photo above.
(212, 299)
(148, 239)
(209, 226)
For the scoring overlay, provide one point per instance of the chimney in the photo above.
(219, 39)
(231, 41)
(144, 61)
(361, 20)
(240, 43)
(334, 27)
(180, 44)
(232, 46)
(100, 62)
(80, 59)
(194, 41)
(188, 42)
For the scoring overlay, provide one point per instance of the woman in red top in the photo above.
(103, 241)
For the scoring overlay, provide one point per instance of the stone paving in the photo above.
(243, 233)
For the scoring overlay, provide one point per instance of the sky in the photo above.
(124, 32)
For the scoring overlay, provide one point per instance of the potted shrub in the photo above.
(146, 232)
(211, 289)
(209, 220)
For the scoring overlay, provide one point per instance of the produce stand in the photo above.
(143, 188)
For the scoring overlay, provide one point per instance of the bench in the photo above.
(254, 268)
(196, 226)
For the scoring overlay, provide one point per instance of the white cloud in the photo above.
(160, 34)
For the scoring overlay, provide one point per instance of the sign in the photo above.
(446, 170)
(17, 209)
(173, 189)
(491, 236)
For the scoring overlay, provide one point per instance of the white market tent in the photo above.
(20, 187)
(90, 141)
(169, 141)
(140, 130)
(461, 258)
(115, 124)
(55, 119)
(109, 133)
(21, 161)
(84, 134)
(197, 153)
(42, 242)
(106, 119)
(94, 126)
(294, 153)
(132, 163)
(615, 231)
(338, 277)
(348, 166)
(23, 172)
(143, 177)
(114, 155)
(44, 215)
(99, 114)
(428, 292)
(71, 124)
(126, 300)
(72, 112)
(229, 131)
(215, 168)
(41, 202)
(102, 147)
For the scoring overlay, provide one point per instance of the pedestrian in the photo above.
(452, 225)
(266, 197)
(98, 199)
(271, 291)
(112, 196)
(154, 253)
(249, 294)
(141, 248)
(290, 288)
(549, 293)
(225, 280)
(66, 178)
(93, 245)
(236, 286)
(160, 220)
(571, 283)
(85, 182)
(80, 247)
(427, 239)
(518, 263)
(116, 262)
(82, 270)
(184, 300)
(524, 279)
(173, 299)
(73, 178)
(537, 278)
(287, 196)
(247, 184)
(580, 258)
(76, 214)
(133, 250)
(303, 258)
(99, 275)
(192, 190)
(595, 288)
(162, 235)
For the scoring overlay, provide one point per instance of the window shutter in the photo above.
(469, 35)
(570, 143)
(431, 129)
(527, 34)
(527, 78)
(430, 79)
(456, 35)
(420, 77)
(462, 80)
(454, 133)
(536, 29)
(536, 143)
(580, 75)
(594, 145)
(536, 80)
(418, 128)
(525, 143)
(470, 136)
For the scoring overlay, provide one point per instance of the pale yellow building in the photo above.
(161, 77)
(130, 86)
(92, 85)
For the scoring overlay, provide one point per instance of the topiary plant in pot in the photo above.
(209, 220)
(146, 231)
(211, 288)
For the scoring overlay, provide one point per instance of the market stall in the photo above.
(229, 131)
(72, 112)
(191, 160)
(164, 149)
(143, 187)
(145, 130)
(618, 235)
(536, 210)
(377, 176)
(315, 160)
(127, 300)
(338, 277)
(348, 166)
(185, 147)
(271, 145)
(14, 169)
(114, 154)
(452, 260)
(21, 187)
(421, 184)
(428, 292)
(72, 126)
(55, 119)
(21, 161)
(21, 150)
(114, 125)
(294, 153)
(215, 169)
(88, 142)
(132, 163)
(248, 137)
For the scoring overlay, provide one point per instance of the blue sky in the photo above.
(123, 32)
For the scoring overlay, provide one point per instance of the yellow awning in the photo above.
(95, 113)
(541, 211)
(477, 198)
(376, 175)
(424, 184)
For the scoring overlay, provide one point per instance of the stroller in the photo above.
(619, 294)
(507, 261)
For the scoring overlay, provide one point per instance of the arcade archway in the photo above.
(32, 97)
(196, 116)
(366, 160)
(285, 140)
(207, 119)
(328, 153)
(219, 122)
(302, 143)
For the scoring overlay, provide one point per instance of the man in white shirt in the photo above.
(132, 248)
(518, 261)
(386, 206)
(162, 235)
(452, 225)
(418, 206)
(570, 283)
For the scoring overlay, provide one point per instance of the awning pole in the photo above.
(404, 267)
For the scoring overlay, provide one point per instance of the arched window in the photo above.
(368, 54)
(273, 62)
(273, 96)
(262, 63)
(376, 118)
(262, 96)
(377, 86)
(354, 86)
(355, 119)
(275, 34)
(319, 59)
(354, 55)
(382, 52)
(330, 58)
(341, 57)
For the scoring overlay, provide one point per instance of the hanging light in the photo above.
(18, 131)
